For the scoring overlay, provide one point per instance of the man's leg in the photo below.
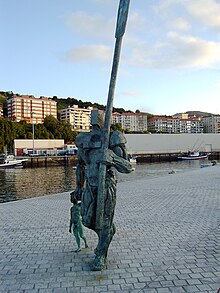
(105, 237)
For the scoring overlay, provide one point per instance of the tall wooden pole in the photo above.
(120, 30)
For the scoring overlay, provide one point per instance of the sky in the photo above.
(169, 63)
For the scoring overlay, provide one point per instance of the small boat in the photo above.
(9, 161)
(212, 163)
(193, 156)
(132, 159)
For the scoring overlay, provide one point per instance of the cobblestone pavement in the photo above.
(167, 240)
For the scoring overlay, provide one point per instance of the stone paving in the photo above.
(167, 240)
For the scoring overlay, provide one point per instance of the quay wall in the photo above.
(51, 161)
(140, 144)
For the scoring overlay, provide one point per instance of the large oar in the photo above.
(120, 29)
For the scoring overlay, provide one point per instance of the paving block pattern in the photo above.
(167, 240)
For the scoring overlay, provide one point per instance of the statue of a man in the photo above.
(87, 173)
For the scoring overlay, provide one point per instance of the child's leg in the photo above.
(76, 234)
(83, 236)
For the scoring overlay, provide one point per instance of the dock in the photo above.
(51, 161)
(167, 240)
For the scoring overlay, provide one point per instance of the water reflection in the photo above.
(25, 183)
(16, 184)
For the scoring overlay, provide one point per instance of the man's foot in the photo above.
(78, 249)
(98, 263)
(86, 246)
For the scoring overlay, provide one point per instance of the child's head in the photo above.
(73, 198)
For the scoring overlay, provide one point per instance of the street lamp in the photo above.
(32, 117)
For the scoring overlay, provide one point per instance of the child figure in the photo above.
(76, 223)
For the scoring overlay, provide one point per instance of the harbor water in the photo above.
(17, 184)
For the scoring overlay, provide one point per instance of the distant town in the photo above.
(16, 107)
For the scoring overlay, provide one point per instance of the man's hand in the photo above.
(70, 230)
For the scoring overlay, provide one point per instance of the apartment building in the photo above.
(211, 124)
(79, 118)
(131, 121)
(175, 125)
(30, 109)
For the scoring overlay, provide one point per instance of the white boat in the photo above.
(132, 159)
(9, 161)
(193, 156)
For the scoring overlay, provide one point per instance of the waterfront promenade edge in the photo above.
(167, 240)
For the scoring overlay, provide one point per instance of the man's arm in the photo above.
(117, 157)
(70, 227)
(80, 178)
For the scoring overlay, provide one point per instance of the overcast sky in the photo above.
(170, 58)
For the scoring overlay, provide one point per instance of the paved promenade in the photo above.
(167, 240)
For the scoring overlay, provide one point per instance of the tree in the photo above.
(117, 126)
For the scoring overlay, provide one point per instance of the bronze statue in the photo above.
(98, 152)
(76, 225)
(87, 172)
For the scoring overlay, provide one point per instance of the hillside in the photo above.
(3, 102)
(63, 103)
(199, 113)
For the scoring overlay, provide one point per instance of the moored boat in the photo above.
(193, 156)
(132, 159)
(9, 161)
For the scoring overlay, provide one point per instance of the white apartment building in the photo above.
(30, 109)
(212, 124)
(79, 118)
(131, 121)
(175, 125)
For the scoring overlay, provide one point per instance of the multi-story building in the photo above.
(30, 109)
(1, 110)
(79, 118)
(159, 124)
(175, 125)
(131, 121)
(211, 124)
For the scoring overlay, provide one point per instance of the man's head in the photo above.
(97, 118)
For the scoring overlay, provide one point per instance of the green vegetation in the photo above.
(52, 128)
(3, 102)
(69, 102)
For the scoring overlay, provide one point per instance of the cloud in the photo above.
(177, 51)
(89, 53)
(99, 26)
(180, 24)
(136, 21)
(131, 94)
(150, 43)
(90, 25)
(106, 2)
(205, 11)
(193, 51)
